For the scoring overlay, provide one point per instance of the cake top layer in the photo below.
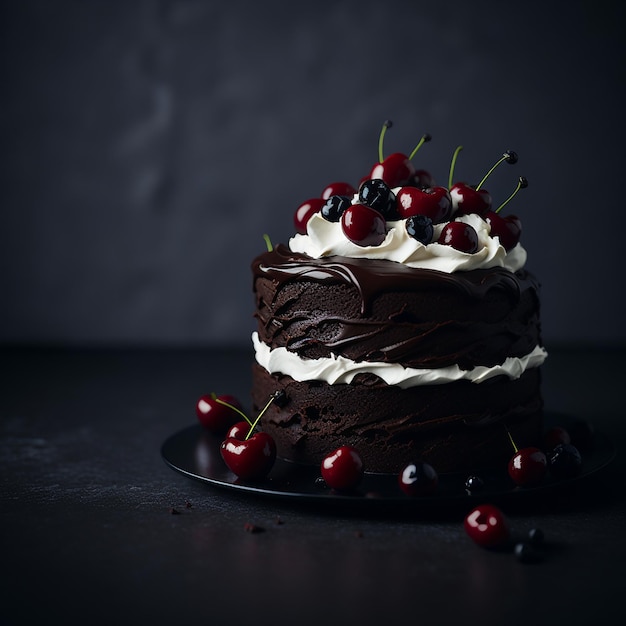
(399, 214)
(326, 238)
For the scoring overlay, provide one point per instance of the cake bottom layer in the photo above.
(459, 426)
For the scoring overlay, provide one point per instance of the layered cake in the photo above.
(400, 320)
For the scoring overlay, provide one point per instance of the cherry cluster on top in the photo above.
(395, 190)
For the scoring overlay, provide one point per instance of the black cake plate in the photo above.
(195, 453)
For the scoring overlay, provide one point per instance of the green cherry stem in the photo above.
(522, 183)
(453, 165)
(260, 415)
(511, 440)
(268, 242)
(387, 124)
(230, 406)
(425, 138)
(509, 156)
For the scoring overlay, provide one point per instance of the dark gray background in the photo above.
(147, 146)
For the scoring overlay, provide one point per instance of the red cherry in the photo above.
(342, 469)
(418, 479)
(304, 213)
(487, 526)
(423, 179)
(507, 229)
(363, 225)
(528, 466)
(338, 189)
(214, 416)
(250, 458)
(555, 436)
(460, 236)
(433, 202)
(238, 431)
(465, 199)
(395, 170)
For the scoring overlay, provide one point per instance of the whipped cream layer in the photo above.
(326, 238)
(337, 369)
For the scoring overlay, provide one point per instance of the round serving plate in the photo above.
(195, 453)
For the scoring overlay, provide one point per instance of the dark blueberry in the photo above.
(474, 484)
(565, 461)
(334, 207)
(420, 227)
(527, 553)
(536, 537)
(376, 194)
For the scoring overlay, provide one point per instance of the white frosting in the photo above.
(338, 369)
(326, 238)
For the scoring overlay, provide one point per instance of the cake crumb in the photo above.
(253, 528)
(188, 504)
(279, 521)
(174, 511)
(358, 534)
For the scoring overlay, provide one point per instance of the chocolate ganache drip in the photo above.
(379, 310)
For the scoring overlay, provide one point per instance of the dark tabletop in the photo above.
(98, 529)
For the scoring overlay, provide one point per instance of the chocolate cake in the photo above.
(404, 346)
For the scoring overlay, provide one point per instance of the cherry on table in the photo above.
(526, 552)
(342, 469)
(418, 479)
(487, 526)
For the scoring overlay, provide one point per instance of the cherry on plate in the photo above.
(215, 416)
(249, 458)
(528, 466)
(418, 479)
(342, 469)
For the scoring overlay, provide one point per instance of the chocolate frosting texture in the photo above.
(379, 310)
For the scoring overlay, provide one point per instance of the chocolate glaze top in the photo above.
(379, 310)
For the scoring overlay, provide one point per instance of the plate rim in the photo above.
(602, 455)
